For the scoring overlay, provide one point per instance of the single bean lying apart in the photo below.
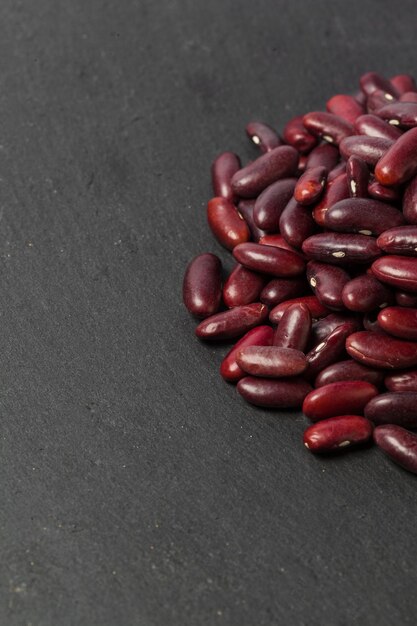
(322, 298)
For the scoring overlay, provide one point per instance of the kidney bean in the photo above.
(232, 323)
(279, 242)
(401, 381)
(271, 203)
(278, 163)
(357, 173)
(369, 149)
(263, 136)
(336, 190)
(380, 350)
(362, 215)
(269, 260)
(371, 81)
(360, 97)
(399, 163)
(328, 351)
(302, 162)
(336, 172)
(348, 397)
(271, 361)
(403, 83)
(245, 208)
(397, 271)
(365, 293)
(384, 194)
(296, 223)
(329, 127)
(223, 168)
(323, 327)
(370, 322)
(339, 248)
(259, 336)
(327, 282)
(410, 201)
(285, 393)
(226, 223)
(393, 408)
(399, 444)
(310, 185)
(337, 433)
(324, 155)
(402, 298)
(377, 100)
(349, 370)
(409, 96)
(296, 135)
(312, 303)
(402, 114)
(294, 328)
(281, 289)
(373, 126)
(346, 107)
(400, 240)
(399, 322)
(202, 285)
(242, 287)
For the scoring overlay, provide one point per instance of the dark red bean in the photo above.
(202, 285)
(226, 223)
(271, 203)
(346, 107)
(397, 271)
(269, 260)
(402, 114)
(371, 81)
(370, 322)
(373, 126)
(271, 361)
(399, 444)
(401, 240)
(324, 155)
(399, 163)
(337, 433)
(382, 193)
(349, 370)
(403, 83)
(336, 172)
(294, 328)
(357, 177)
(360, 97)
(409, 96)
(278, 241)
(285, 393)
(242, 287)
(393, 408)
(327, 282)
(310, 185)
(312, 303)
(410, 201)
(259, 336)
(245, 208)
(365, 293)
(399, 322)
(328, 351)
(369, 149)
(348, 397)
(296, 223)
(401, 381)
(329, 127)
(336, 190)
(296, 135)
(377, 100)
(380, 350)
(339, 248)
(281, 289)
(402, 298)
(263, 136)
(362, 215)
(321, 329)
(302, 162)
(223, 168)
(232, 323)
(279, 163)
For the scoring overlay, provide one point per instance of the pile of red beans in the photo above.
(323, 297)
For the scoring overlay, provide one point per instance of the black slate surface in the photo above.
(137, 489)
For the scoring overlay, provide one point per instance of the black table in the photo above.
(137, 488)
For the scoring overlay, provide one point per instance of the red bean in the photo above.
(357, 177)
(410, 201)
(296, 135)
(402, 298)
(337, 433)
(370, 322)
(385, 194)
(327, 282)
(279, 242)
(322, 328)
(339, 248)
(399, 163)
(242, 287)
(336, 190)
(263, 136)
(226, 223)
(402, 114)
(373, 126)
(271, 203)
(371, 81)
(365, 293)
(202, 286)
(269, 260)
(302, 162)
(285, 393)
(246, 208)
(377, 100)
(281, 289)
(393, 408)
(403, 83)
(362, 215)
(271, 361)
(259, 336)
(380, 350)
(223, 168)
(369, 149)
(349, 370)
(397, 271)
(348, 397)
(409, 96)
(399, 322)
(310, 185)
(399, 444)
(346, 107)
(401, 381)
(279, 163)
(337, 171)
(328, 351)
(232, 323)
(400, 240)
(329, 127)
(312, 303)
(296, 223)
(324, 155)
(294, 328)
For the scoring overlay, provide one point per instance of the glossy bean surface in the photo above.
(284, 393)
(337, 433)
(280, 289)
(399, 163)
(382, 351)
(364, 216)
(371, 81)
(399, 322)
(347, 397)
(402, 298)
(269, 260)
(374, 126)
(328, 126)
(401, 381)
(294, 328)
(402, 114)
(246, 208)
(222, 170)
(226, 223)
(232, 323)
(310, 185)
(296, 223)
(410, 201)
(397, 271)
(328, 351)
(393, 408)
(271, 202)
(202, 285)
(340, 248)
(349, 370)
(365, 293)
(369, 149)
(327, 282)
(399, 444)
(263, 136)
(313, 304)
(325, 155)
(259, 336)
(401, 240)
(382, 193)
(278, 163)
(324, 326)
(242, 287)
(296, 135)
(345, 106)
(377, 100)
(336, 190)
(403, 83)
(357, 177)
(271, 361)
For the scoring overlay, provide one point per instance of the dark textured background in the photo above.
(137, 489)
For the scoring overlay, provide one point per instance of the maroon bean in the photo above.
(323, 327)
(371, 81)
(399, 163)
(365, 293)
(357, 177)
(380, 350)
(312, 303)
(382, 193)
(310, 185)
(393, 408)
(296, 223)
(399, 322)
(399, 444)
(370, 322)
(369, 149)
(278, 241)
(245, 208)
(401, 240)
(232, 323)
(327, 282)
(302, 162)
(281, 289)
(409, 96)
(336, 190)
(278, 163)
(362, 215)
(259, 336)
(296, 135)
(269, 260)
(339, 248)
(223, 168)
(226, 223)
(324, 155)
(397, 271)
(242, 287)
(346, 107)
(337, 433)
(403, 83)
(402, 381)
(349, 370)
(402, 114)
(263, 136)
(329, 127)
(348, 397)
(328, 351)
(271, 203)
(294, 328)
(202, 286)
(373, 126)
(410, 201)
(402, 298)
(271, 361)
(336, 172)
(285, 393)
(377, 100)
